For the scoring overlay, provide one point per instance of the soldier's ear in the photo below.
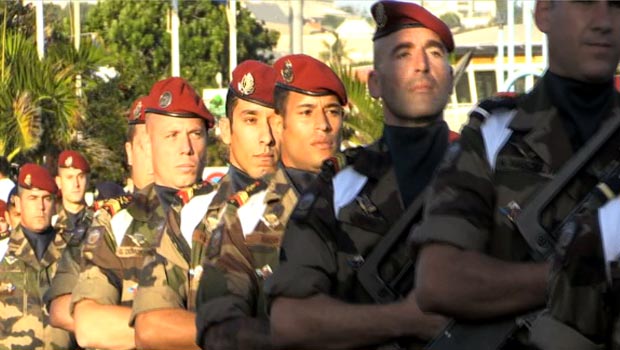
(58, 182)
(129, 153)
(374, 85)
(225, 130)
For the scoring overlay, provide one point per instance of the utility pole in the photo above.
(40, 29)
(297, 25)
(77, 34)
(232, 36)
(174, 39)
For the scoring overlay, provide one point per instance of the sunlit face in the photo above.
(178, 147)
(72, 182)
(139, 157)
(36, 208)
(583, 36)
(253, 147)
(310, 130)
(412, 75)
(4, 224)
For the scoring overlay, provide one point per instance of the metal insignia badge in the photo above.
(93, 237)
(246, 85)
(287, 72)
(165, 99)
(271, 220)
(69, 162)
(10, 259)
(136, 111)
(380, 15)
(28, 180)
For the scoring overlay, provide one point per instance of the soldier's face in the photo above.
(139, 157)
(4, 225)
(412, 75)
(179, 147)
(252, 143)
(583, 36)
(36, 208)
(310, 130)
(72, 182)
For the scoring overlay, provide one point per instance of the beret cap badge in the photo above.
(247, 85)
(287, 72)
(136, 111)
(165, 99)
(380, 15)
(28, 180)
(69, 162)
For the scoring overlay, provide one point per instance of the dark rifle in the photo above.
(369, 275)
(492, 335)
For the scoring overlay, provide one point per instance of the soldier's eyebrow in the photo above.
(306, 105)
(431, 43)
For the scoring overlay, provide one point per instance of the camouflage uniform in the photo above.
(170, 277)
(236, 263)
(23, 281)
(500, 162)
(110, 271)
(68, 268)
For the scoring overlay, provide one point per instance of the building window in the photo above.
(463, 95)
(486, 84)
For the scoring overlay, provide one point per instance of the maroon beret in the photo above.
(254, 81)
(35, 176)
(73, 159)
(391, 16)
(136, 113)
(3, 208)
(174, 97)
(309, 76)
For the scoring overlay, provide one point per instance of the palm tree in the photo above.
(365, 118)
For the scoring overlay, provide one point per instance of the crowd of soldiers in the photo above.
(272, 256)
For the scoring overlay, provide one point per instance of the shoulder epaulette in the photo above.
(502, 100)
(113, 205)
(186, 194)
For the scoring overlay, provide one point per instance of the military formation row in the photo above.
(302, 245)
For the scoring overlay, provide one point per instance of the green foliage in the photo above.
(365, 121)
(331, 21)
(135, 34)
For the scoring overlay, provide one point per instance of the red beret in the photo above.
(392, 16)
(136, 113)
(3, 208)
(254, 81)
(35, 176)
(309, 76)
(174, 97)
(73, 159)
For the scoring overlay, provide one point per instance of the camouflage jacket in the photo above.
(69, 264)
(241, 253)
(359, 204)
(500, 162)
(169, 278)
(115, 248)
(23, 281)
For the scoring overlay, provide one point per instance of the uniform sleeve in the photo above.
(93, 283)
(307, 265)
(460, 202)
(155, 290)
(66, 277)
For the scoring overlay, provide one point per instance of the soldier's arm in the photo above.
(470, 285)
(103, 326)
(60, 292)
(159, 316)
(322, 321)
(166, 329)
(94, 303)
(60, 314)
(453, 275)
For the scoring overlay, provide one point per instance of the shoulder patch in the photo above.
(94, 235)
